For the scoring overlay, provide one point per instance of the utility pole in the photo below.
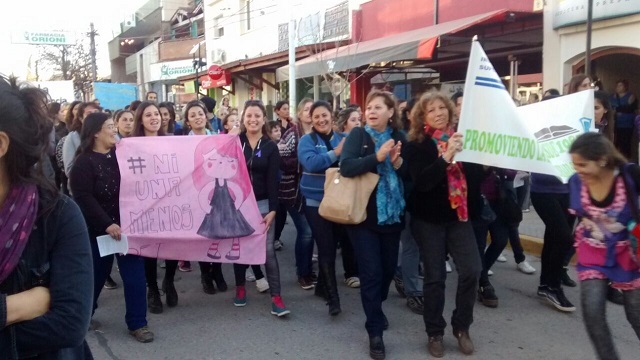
(587, 53)
(92, 36)
(292, 61)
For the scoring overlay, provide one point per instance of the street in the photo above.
(209, 326)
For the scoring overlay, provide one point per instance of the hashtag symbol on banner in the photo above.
(136, 164)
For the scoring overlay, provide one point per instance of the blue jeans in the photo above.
(377, 257)
(409, 261)
(134, 282)
(304, 242)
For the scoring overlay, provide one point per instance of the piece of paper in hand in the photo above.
(108, 245)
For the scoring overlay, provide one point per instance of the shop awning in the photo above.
(417, 44)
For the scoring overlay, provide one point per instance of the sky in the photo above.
(67, 15)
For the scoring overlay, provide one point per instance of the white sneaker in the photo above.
(262, 285)
(501, 258)
(249, 276)
(526, 268)
(490, 273)
(449, 269)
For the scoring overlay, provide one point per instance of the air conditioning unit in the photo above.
(129, 21)
(219, 56)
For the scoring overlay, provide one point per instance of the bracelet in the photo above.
(399, 164)
(445, 160)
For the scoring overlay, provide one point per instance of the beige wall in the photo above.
(565, 47)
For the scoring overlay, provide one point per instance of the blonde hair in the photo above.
(301, 106)
(419, 113)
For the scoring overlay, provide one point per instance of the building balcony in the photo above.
(179, 49)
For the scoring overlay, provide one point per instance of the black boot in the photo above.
(153, 299)
(329, 273)
(321, 288)
(566, 280)
(216, 273)
(376, 348)
(207, 283)
(170, 292)
(206, 278)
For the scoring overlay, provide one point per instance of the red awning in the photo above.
(417, 44)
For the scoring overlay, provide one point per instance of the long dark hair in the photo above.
(53, 109)
(575, 82)
(77, 121)
(172, 114)
(191, 104)
(595, 147)
(26, 122)
(260, 105)
(138, 127)
(92, 125)
(68, 118)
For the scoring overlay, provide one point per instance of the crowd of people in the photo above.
(425, 209)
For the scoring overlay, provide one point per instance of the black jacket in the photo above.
(263, 164)
(58, 256)
(358, 157)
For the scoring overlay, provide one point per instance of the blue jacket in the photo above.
(315, 160)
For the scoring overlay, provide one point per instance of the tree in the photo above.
(69, 62)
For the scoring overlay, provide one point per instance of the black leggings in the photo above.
(553, 211)
(151, 270)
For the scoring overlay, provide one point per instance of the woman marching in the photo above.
(263, 164)
(95, 182)
(45, 314)
(148, 122)
(376, 148)
(603, 195)
(440, 219)
(317, 152)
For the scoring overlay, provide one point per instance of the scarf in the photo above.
(456, 180)
(17, 216)
(389, 194)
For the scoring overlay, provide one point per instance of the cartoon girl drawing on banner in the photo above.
(220, 196)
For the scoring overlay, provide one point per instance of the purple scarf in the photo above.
(17, 216)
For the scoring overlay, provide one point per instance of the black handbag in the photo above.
(507, 207)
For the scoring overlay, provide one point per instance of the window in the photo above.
(218, 28)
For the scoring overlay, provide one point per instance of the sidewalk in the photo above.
(531, 232)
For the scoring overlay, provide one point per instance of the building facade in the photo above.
(615, 46)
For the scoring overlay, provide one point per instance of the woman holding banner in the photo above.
(440, 219)
(602, 194)
(95, 182)
(377, 148)
(195, 115)
(45, 314)
(263, 164)
(148, 122)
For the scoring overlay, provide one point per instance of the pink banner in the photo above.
(189, 198)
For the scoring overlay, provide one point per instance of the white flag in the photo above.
(532, 138)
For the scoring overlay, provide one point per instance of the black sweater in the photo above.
(95, 183)
(356, 160)
(263, 164)
(429, 200)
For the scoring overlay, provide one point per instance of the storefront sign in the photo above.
(283, 37)
(571, 12)
(171, 70)
(336, 21)
(217, 77)
(43, 37)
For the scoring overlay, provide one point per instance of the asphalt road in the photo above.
(209, 326)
